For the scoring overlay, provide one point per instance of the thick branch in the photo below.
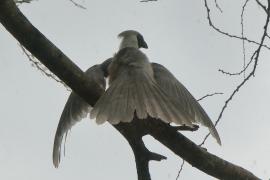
(134, 132)
(194, 155)
(22, 1)
(14, 21)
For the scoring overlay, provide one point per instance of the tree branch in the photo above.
(262, 6)
(147, 0)
(242, 35)
(35, 42)
(217, 6)
(77, 4)
(133, 132)
(243, 70)
(209, 95)
(22, 1)
(226, 33)
(194, 155)
(180, 170)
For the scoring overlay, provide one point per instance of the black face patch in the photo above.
(141, 42)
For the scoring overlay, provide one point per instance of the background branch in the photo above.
(77, 4)
(243, 70)
(147, 0)
(217, 6)
(181, 169)
(226, 33)
(262, 6)
(242, 35)
(209, 95)
(255, 55)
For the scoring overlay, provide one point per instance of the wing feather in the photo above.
(189, 104)
(74, 111)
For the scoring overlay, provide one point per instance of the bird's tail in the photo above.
(136, 92)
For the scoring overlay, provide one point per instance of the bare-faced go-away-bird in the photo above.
(136, 87)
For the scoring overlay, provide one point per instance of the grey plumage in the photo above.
(136, 87)
(175, 89)
(75, 110)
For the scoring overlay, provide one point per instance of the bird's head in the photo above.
(131, 38)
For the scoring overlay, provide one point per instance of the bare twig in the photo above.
(217, 6)
(226, 33)
(41, 67)
(208, 95)
(262, 6)
(242, 35)
(181, 169)
(243, 70)
(77, 4)
(147, 0)
(267, 35)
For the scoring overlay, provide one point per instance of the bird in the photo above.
(144, 88)
(137, 87)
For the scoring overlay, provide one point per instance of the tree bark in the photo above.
(56, 61)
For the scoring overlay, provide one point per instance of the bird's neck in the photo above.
(130, 41)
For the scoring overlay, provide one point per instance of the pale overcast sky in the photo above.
(179, 37)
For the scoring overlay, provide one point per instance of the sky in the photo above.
(179, 37)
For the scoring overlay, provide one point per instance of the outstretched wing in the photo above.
(176, 90)
(74, 111)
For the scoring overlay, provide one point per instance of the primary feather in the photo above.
(74, 111)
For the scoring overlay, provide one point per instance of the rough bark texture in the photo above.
(35, 42)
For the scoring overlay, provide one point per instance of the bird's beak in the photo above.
(143, 44)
